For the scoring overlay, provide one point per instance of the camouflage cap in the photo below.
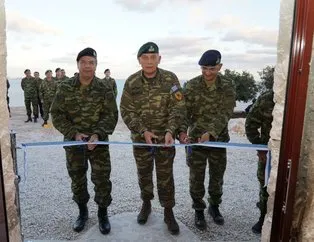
(58, 69)
(87, 52)
(149, 47)
(48, 71)
(210, 58)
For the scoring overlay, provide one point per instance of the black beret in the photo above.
(210, 58)
(86, 52)
(48, 71)
(106, 70)
(58, 69)
(26, 71)
(149, 47)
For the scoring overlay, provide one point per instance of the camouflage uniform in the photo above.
(260, 118)
(47, 92)
(30, 96)
(113, 84)
(89, 110)
(209, 109)
(154, 105)
(40, 104)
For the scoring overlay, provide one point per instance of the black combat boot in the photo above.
(144, 213)
(79, 224)
(35, 119)
(45, 123)
(257, 228)
(213, 210)
(104, 224)
(171, 222)
(29, 119)
(200, 222)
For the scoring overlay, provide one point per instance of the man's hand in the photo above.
(93, 138)
(149, 136)
(262, 155)
(204, 138)
(183, 138)
(169, 139)
(80, 137)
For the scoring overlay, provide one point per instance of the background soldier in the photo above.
(63, 75)
(210, 100)
(84, 108)
(47, 92)
(29, 87)
(152, 107)
(58, 78)
(38, 83)
(111, 81)
(257, 127)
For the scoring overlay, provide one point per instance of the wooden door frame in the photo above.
(292, 132)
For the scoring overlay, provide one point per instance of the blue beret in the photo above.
(149, 47)
(210, 58)
(86, 52)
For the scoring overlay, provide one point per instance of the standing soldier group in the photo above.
(157, 111)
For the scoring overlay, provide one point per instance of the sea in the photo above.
(17, 96)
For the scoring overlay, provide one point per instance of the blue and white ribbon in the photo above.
(26, 146)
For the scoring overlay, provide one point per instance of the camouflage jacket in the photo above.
(29, 87)
(113, 84)
(47, 89)
(89, 110)
(156, 104)
(38, 84)
(209, 109)
(259, 119)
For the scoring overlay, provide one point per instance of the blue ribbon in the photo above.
(25, 146)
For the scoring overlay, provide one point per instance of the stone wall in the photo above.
(280, 83)
(9, 176)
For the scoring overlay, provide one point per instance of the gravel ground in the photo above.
(48, 211)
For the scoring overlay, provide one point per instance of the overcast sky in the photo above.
(44, 34)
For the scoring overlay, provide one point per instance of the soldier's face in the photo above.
(58, 74)
(36, 75)
(107, 74)
(62, 73)
(210, 72)
(149, 62)
(87, 66)
(49, 74)
(28, 74)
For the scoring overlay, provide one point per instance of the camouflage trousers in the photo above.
(197, 158)
(77, 165)
(31, 101)
(46, 108)
(40, 107)
(163, 157)
(263, 194)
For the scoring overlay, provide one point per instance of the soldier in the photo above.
(152, 107)
(58, 78)
(210, 100)
(63, 75)
(84, 109)
(111, 81)
(38, 83)
(29, 87)
(47, 92)
(257, 128)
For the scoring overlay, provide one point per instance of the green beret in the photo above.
(86, 52)
(149, 47)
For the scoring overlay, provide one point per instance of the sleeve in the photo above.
(109, 116)
(115, 89)
(188, 108)
(129, 114)
(177, 111)
(253, 123)
(41, 91)
(59, 116)
(221, 119)
(23, 84)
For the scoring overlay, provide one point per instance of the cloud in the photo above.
(18, 23)
(148, 5)
(259, 36)
(239, 31)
